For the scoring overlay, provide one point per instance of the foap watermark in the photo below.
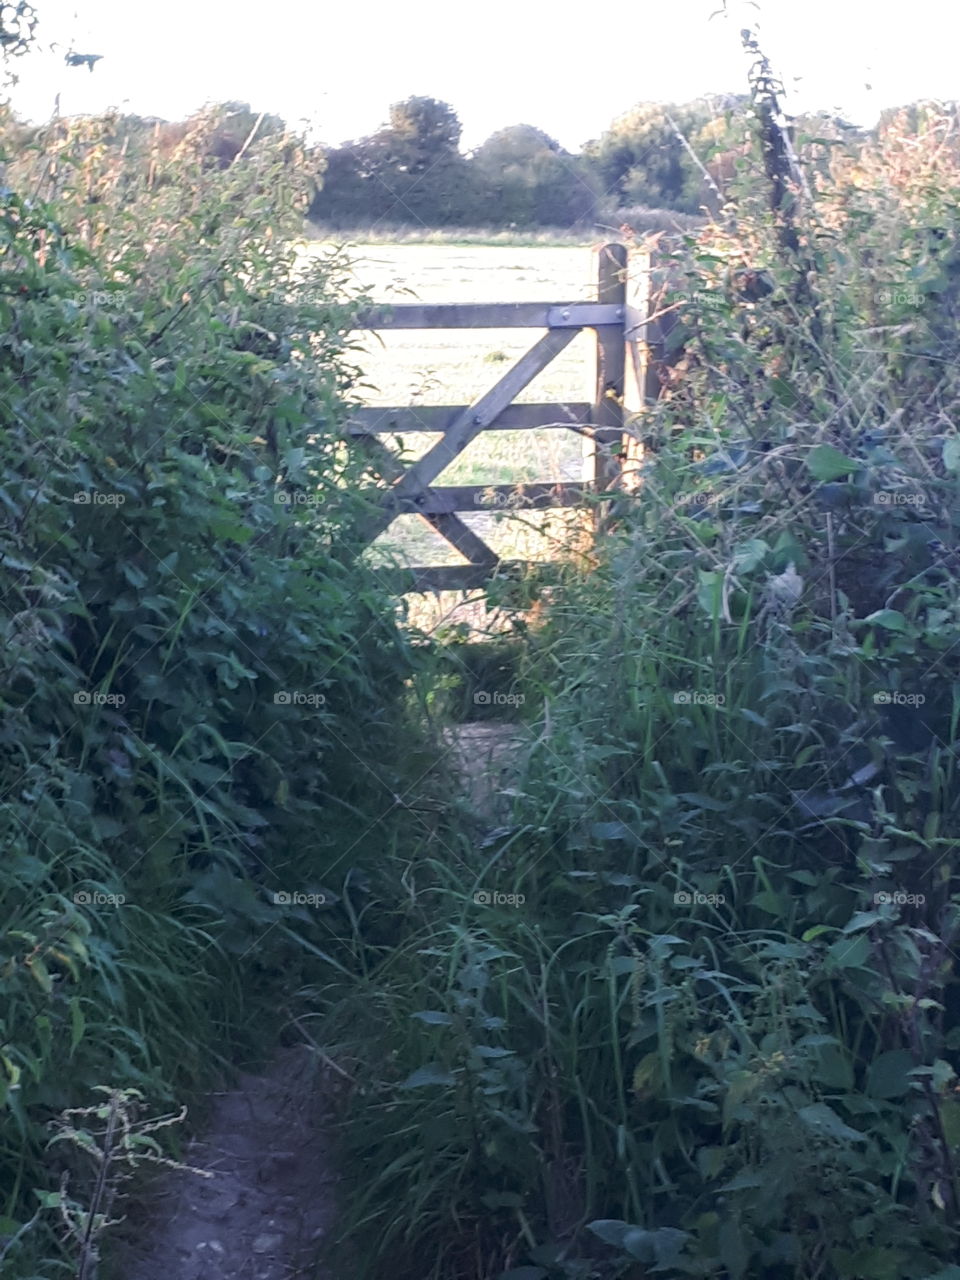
(896, 898)
(284, 499)
(482, 698)
(492, 498)
(97, 498)
(898, 296)
(85, 898)
(295, 698)
(694, 698)
(283, 898)
(96, 298)
(893, 698)
(697, 298)
(684, 899)
(887, 499)
(493, 898)
(88, 698)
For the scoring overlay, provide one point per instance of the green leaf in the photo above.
(49, 1199)
(774, 904)
(432, 1073)
(824, 1120)
(41, 974)
(889, 619)
(433, 1017)
(827, 463)
(833, 1068)
(710, 1160)
(748, 555)
(733, 1251)
(661, 1246)
(710, 592)
(77, 1023)
(701, 801)
(888, 1075)
(231, 530)
(610, 1230)
(850, 953)
(951, 453)
(863, 920)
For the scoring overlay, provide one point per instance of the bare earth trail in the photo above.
(269, 1204)
(271, 1200)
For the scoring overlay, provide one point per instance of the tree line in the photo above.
(656, 156)
(413, 171)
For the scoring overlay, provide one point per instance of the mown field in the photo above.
(454, 367)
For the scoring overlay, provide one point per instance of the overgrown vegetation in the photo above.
(694, 1012)
(192, 666)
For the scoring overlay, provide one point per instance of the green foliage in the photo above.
(642, 160)
(409, 171)
(527, 179)
(412, 172)
(192, 659)
(710, 1025)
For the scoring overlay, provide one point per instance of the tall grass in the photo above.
(693, 1012)
(192, 665)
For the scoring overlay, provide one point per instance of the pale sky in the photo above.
(498, 62)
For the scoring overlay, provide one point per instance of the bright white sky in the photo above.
(498, 62)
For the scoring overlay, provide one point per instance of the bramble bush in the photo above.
(201, 684)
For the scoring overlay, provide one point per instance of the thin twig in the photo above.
(250, 137)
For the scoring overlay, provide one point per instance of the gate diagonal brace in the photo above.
(468, 426)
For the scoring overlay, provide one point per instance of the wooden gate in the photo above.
(626, 339)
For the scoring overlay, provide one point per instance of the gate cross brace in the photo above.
(465, 428)
(448, 524)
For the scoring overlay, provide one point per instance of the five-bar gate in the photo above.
(627, 336)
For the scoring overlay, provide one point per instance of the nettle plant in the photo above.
(192, 658)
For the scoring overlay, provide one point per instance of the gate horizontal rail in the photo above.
(446, 499)
(493, 315)
(625, 333)
(562, 415)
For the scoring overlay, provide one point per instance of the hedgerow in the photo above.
(194, 663)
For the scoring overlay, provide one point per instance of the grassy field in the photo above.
(454, 367)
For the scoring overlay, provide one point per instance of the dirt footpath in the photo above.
(269, 1204)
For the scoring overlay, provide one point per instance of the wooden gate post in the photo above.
(643, 342)
(603, 453)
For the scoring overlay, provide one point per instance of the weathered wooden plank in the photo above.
(462, 538)
(469, 424)
(455, 577)
(495, 497)
(603, 460)
(492, 315)
(641, 383)
(516, 417)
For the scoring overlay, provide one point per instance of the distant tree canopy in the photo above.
(641, 159)
(411, 170)
(524, 177)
